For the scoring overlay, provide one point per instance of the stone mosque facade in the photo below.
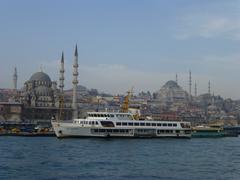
(41, 98)
(171, 92)
(40, 91)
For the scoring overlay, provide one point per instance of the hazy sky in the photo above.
(125, 43)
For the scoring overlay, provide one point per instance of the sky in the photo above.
(124, 44)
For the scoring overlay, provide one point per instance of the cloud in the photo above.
(209, 26)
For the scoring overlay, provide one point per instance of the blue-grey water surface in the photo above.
(51, 158)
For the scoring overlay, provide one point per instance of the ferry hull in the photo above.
(64, 130)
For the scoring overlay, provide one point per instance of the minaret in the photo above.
(15, 77)
(213, 99)
(61, 78)
(195, 92)
(176, 78)
(209, 87)
(75, 83)
(190, 83)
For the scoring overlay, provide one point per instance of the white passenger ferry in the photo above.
(106, 124)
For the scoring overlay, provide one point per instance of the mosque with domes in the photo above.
(171, 92)
(40, 91)
(42, 98)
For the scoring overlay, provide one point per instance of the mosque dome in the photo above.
(171, 92)
(43, 91)
(40, 76)
(171, 84)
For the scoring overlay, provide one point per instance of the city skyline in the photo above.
(124, 44)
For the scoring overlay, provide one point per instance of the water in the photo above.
(51, 158)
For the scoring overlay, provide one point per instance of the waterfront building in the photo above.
(11, 111)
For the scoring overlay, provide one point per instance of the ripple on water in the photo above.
(50, 158)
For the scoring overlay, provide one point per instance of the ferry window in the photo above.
(95, 130)
(142, 124)
(177, 131)
(147, 124)
(101, 115)
(107, 123)
(109, 130)
(136, 124)
(154, 124)
(130, 124)
(108, 115)
(167, 131)
(112, 115)
(118, 124)
(96, 123)
(171, 131)
(121, 130)
(116, 130)
(124, 124)
(175, 125)
(169, 124)
(101, 130)
(182, 125)
(159, 124)
(164, 124)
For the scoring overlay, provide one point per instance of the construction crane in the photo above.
(125, 105)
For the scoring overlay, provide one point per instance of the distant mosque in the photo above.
(171, 92)
(41, 97)
(40, 91)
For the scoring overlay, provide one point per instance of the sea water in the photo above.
(90, 158)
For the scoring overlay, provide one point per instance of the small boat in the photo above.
(111, 124)
(207, 132)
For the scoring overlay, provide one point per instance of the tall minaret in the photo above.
(61, 78)
(190, 83)
(209, 87)
(176, 78)
(15, 77)
(75, 83)
(195, 92)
